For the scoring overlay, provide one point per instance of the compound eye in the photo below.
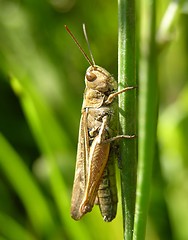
(90, 76)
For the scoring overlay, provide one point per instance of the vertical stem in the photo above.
(128, 108)
(148, 110)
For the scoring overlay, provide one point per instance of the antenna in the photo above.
(92, 63)
(90, 52)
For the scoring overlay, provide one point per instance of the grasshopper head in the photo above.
(97, 78)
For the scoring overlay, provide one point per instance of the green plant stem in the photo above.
(128, 109)
(28, 190)
(148, 110)
(164, 33)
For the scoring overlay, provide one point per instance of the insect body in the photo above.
(94, 181)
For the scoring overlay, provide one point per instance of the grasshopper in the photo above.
(94, 181)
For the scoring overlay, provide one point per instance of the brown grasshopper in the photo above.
(94, 181)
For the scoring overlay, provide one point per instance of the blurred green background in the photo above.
(41, 89)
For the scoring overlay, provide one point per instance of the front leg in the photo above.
(118, 137)
(113, 95)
